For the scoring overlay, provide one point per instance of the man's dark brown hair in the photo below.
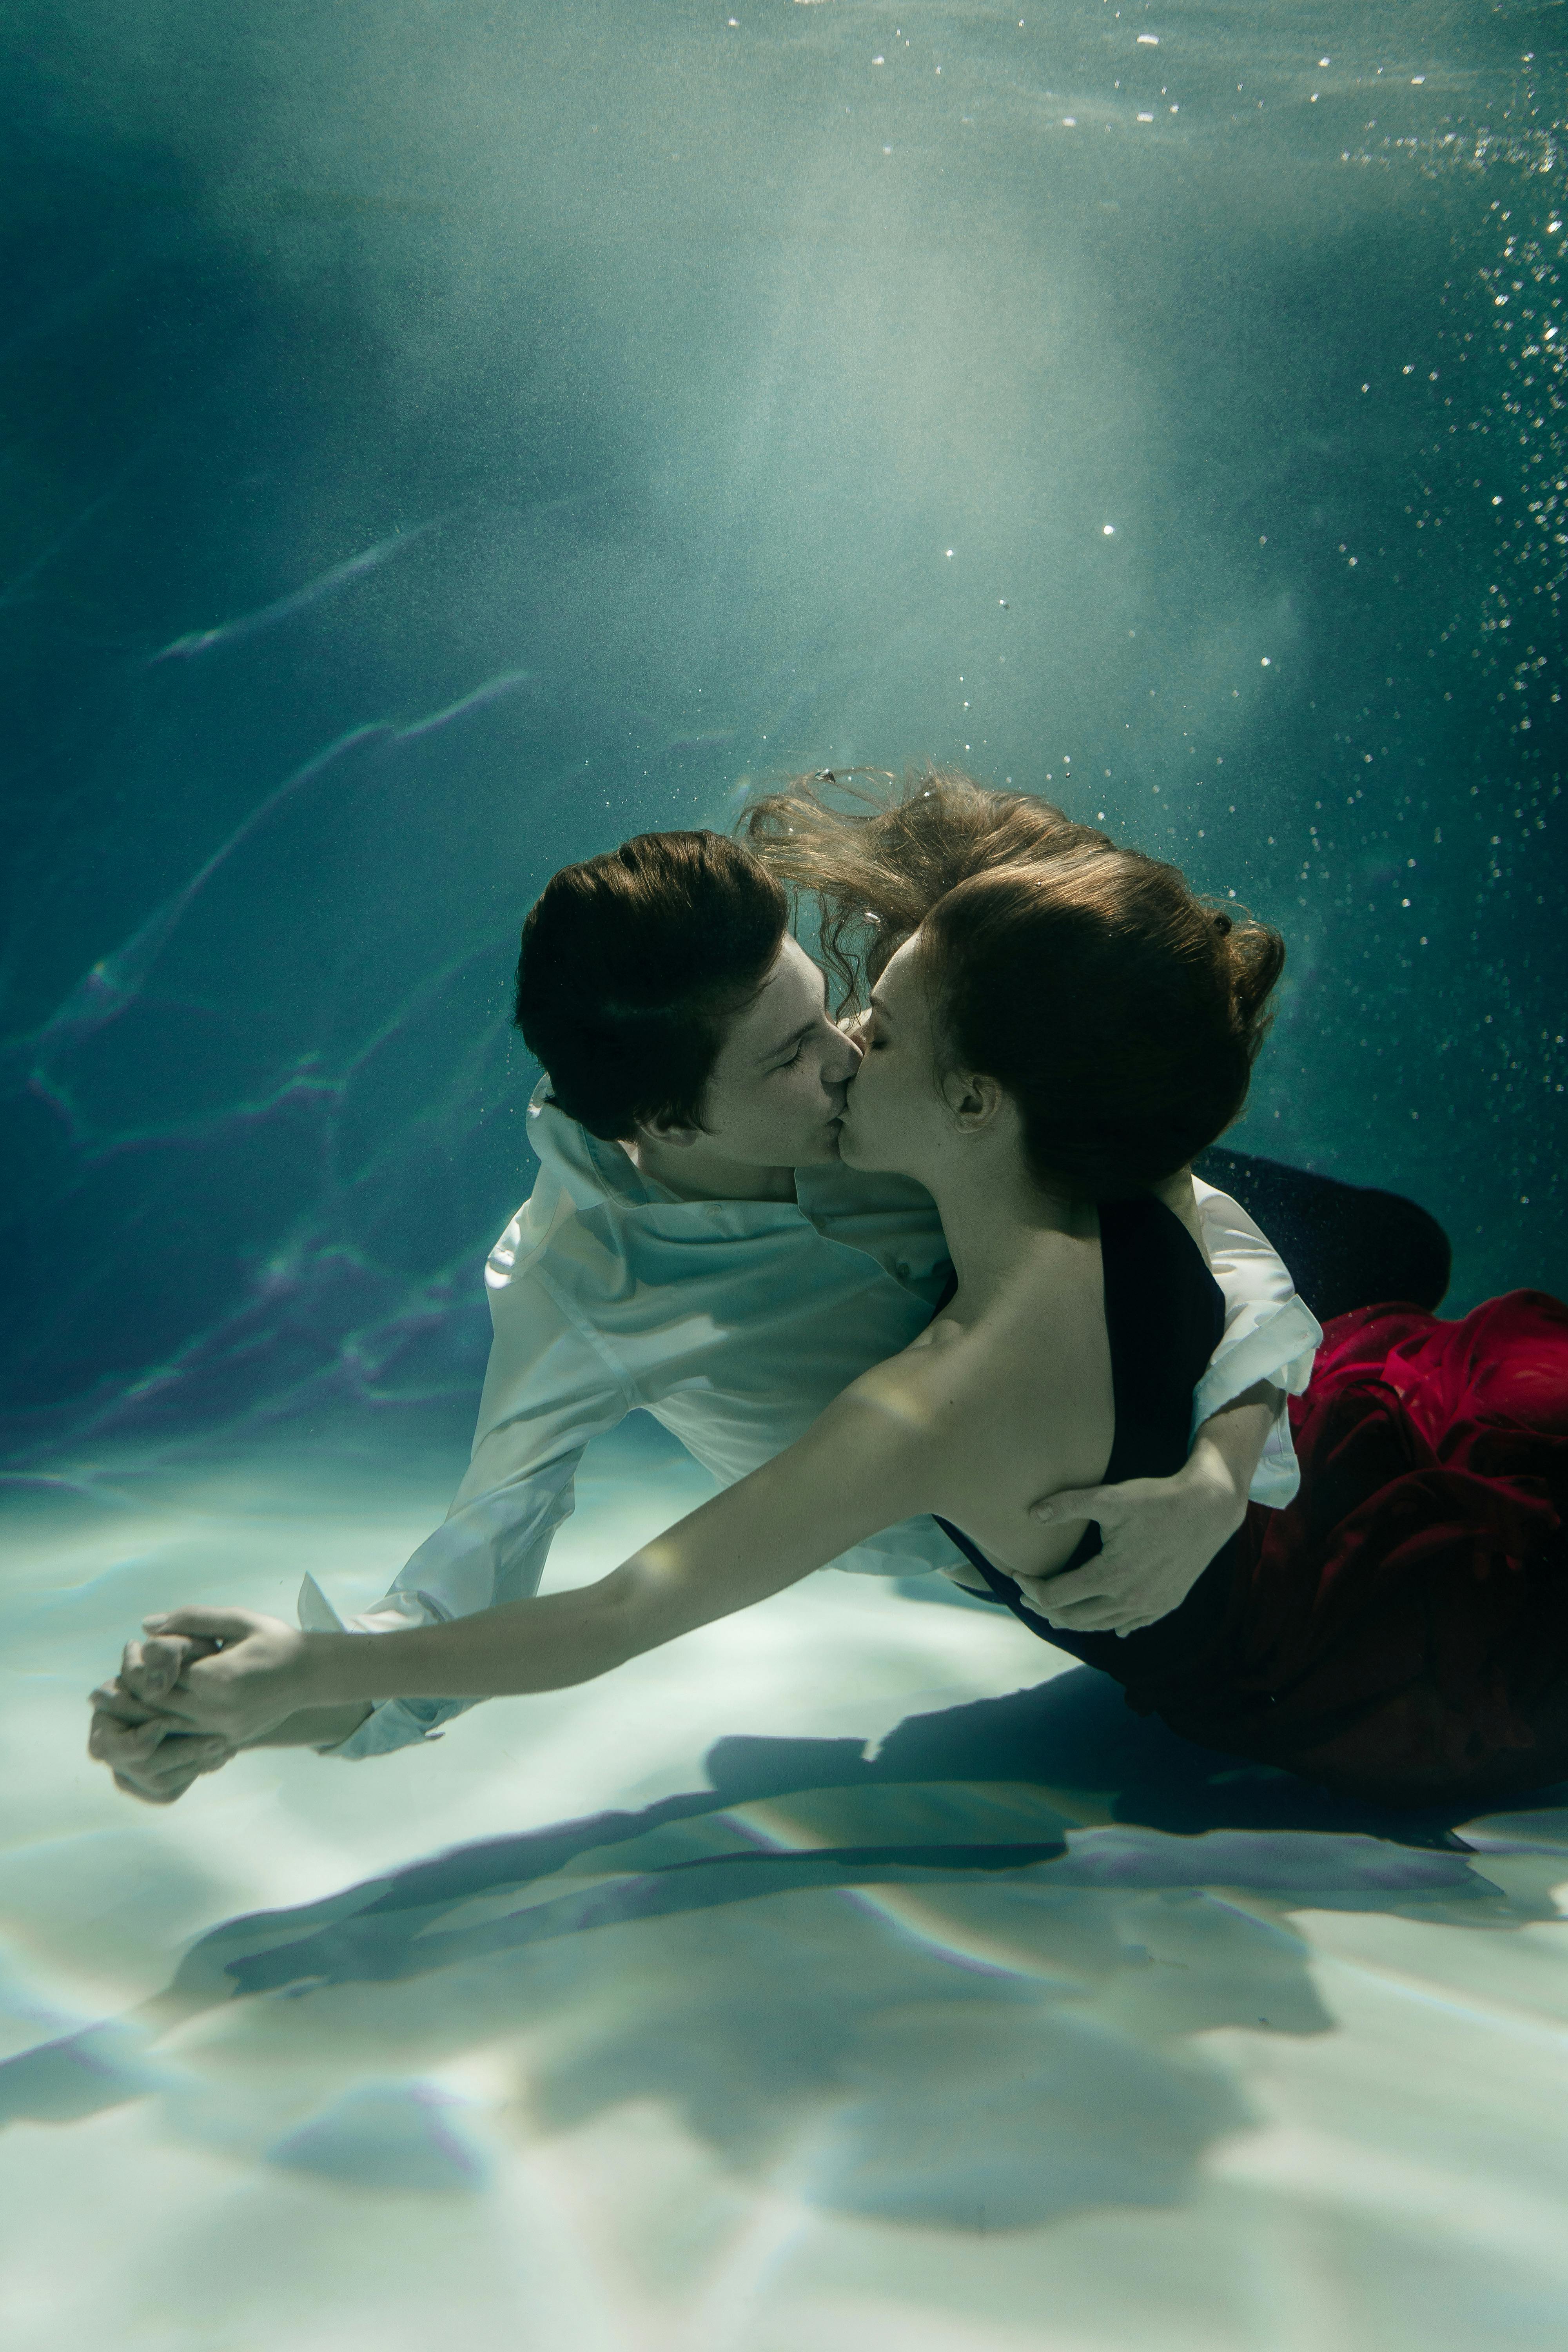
(633, 965)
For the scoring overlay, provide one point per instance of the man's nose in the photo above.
(841, 1066)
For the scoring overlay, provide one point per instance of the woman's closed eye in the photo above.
(873, 1029)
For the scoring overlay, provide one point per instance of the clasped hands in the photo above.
(203, 1683)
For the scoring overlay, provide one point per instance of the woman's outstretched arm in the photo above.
(865, 1464)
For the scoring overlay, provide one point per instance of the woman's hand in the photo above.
(242, 1688)
(150, 1757)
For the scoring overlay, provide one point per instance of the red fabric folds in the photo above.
(1401, 1632)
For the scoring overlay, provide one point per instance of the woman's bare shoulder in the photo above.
(931, 1389)
(911, 1381)
(1027, 1355)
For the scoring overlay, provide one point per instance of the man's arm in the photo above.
(1158, 1535)
(1270, 1336)
(548, 1390)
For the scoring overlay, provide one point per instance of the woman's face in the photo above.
(895, 1116)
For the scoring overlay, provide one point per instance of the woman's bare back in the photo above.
(1017, 1402)
(1012, 1402)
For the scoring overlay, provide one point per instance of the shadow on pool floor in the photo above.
(939, 1983)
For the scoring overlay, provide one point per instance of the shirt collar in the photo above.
(586, 1167)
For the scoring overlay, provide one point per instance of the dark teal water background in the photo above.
(440, 440)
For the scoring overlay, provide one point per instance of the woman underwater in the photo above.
(1046, 1053)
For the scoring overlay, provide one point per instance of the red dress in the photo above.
(1401, 1632)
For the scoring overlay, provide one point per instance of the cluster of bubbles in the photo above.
(1524, 423)
(1494, 481)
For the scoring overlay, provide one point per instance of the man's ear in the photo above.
(664, 1131)
(972, 1100)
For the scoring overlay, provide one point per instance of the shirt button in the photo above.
(902, 1269)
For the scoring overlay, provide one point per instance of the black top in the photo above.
(1164, 1313)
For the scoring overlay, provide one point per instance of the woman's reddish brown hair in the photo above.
(873, 856)
(1121, 1012)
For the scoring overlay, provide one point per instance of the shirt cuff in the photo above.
(1276, 1343)
(1277, 1477)
(392, 1722)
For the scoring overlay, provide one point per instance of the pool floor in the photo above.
(853, 1973)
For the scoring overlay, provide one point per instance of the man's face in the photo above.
(777, 1087)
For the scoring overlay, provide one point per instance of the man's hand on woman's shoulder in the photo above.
(1157, 1535)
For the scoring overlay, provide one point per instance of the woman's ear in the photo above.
(974, 1102)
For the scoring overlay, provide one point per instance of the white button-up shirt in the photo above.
(734, 1323)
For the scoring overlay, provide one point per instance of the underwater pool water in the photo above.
(440, 440)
